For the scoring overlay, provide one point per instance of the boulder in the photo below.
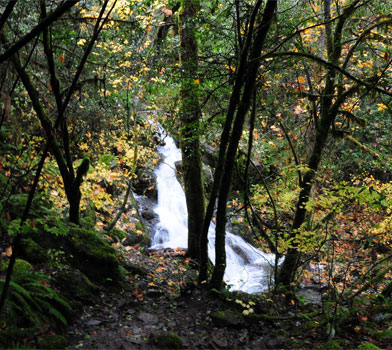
(135, 238)
(82, 248)
(146, 183)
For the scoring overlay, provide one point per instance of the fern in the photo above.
(30, 303)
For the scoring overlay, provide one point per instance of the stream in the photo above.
(247, 268)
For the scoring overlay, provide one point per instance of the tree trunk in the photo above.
(189, 118)
(243, 107)
(328, 111)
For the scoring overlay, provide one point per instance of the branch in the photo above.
(37, 29)
(8, 10)
(370, 86)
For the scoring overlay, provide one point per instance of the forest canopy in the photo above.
(281, 110)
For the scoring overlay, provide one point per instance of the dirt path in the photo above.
(160, 299)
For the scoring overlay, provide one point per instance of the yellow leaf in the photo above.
(301, 80)
(152, 284)
(196, 81)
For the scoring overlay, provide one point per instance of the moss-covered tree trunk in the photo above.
(190, 115)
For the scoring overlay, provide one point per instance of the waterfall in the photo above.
(247, 268)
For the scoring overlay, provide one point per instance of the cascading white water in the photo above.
(247, 268)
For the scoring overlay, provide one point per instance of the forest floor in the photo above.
(162, 299)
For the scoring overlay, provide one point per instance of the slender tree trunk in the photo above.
(190, 115)
(328, 113)
(224, 141)
(243, 107)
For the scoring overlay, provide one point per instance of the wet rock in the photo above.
(154, 292)
(135, 269)
(148, 318)
(146, 183)
(135, 238)
(275, 343)
(311, 294)
(258, 344)
(149, 214)
(218, 340)
(228, 318)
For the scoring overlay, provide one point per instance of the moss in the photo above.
(19, 270)
(116, 233)
(385, 335)
(294, 344)
(89, 217)
(280, 332)
(83, 248)
(331, 345)
(74, 284)
(92, 255)
(52, 342)
(228, 318)
(33, 251)
(368, 346)
(169, 340)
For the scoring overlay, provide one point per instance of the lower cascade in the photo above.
(247, 268)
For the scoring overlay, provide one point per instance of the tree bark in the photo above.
(243, 107)
(224, 141)
(190, 115)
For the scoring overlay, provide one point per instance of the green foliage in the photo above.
(31, 303)
(368, 346)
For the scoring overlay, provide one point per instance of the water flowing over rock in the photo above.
(247, 268)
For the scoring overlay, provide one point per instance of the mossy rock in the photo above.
(52, 342)
(168, 340)
(135, 238)
(20, 268)
(368, 346)
(331, 345)
(92, 255)
(84, 249)
(228, 318)
(74, 285)
(33, 251)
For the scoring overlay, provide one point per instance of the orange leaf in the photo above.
(8, 251)
(61, 58)
(301, 80)
(167, 12)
